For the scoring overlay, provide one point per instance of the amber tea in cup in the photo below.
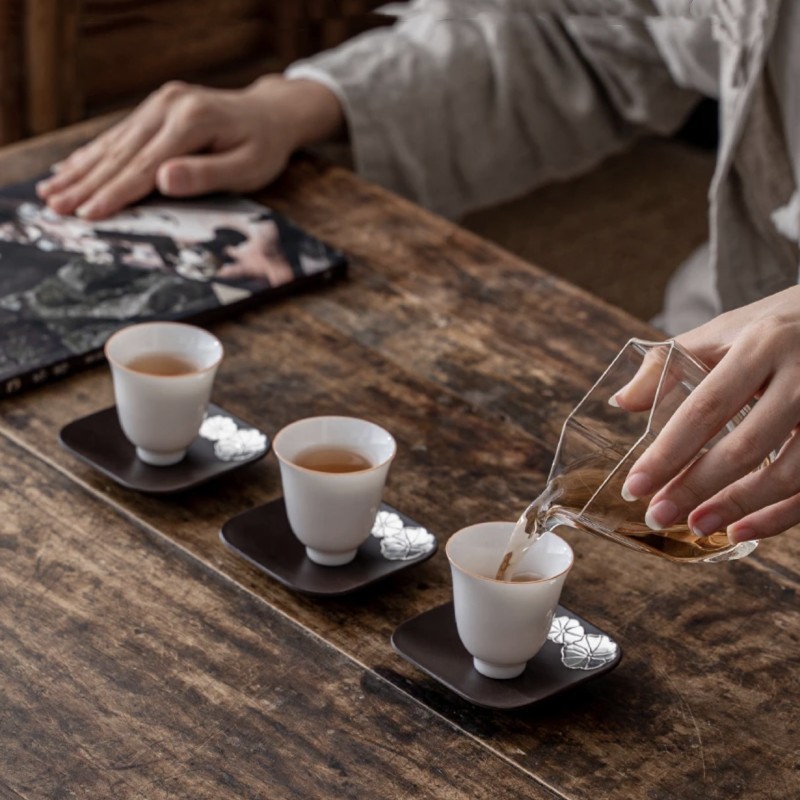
(333, 470)
(162, 364)
(163, 373)
(503, 624)
(332, 459)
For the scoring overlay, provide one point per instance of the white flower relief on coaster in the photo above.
(398, 542)
(232, 443)
(217, 427)
(244, 444)
(591, 652)
(581, 650)
(565, 630)
(386, 524)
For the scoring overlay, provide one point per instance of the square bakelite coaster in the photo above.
(263, 537)
(575, 652)
(225, 443)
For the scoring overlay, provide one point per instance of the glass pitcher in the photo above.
(599, 444)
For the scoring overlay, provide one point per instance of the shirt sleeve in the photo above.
(462, 104)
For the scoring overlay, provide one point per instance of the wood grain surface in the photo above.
(130, 671)
(472, 358)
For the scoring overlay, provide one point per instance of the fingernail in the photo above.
(612, 401)
(736, 535)
(42, 187)
(707, 524)
(661, 515)
(169, 181)
(57, 166)
(91, 208)
(636, 486)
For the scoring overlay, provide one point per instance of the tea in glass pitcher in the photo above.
(599, 444)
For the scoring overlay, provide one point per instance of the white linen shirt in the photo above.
(465, 103)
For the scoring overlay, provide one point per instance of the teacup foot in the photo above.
(330, 559)
(498, 671)
(159, 459)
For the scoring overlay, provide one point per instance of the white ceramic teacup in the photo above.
(504, 624)
(161, 414)
(332, 513)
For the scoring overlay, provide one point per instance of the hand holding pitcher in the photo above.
(689, 471)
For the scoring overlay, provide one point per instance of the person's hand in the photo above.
(188, 140)
(752, 351)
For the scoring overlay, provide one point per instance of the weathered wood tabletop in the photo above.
(140, 658)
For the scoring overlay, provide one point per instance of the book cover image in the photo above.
(67, 284)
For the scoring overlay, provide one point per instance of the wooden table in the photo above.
(140, 658)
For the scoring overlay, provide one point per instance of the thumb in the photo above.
(640, 392)
(200, 174)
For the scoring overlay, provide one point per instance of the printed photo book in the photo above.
(67, 284)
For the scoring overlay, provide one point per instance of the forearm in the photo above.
(307, 111)
(459, 106)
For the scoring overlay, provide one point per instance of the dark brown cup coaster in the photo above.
(575, 652)
(263, 537)
(225, 443)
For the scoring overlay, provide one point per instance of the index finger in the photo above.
(138, 177)
(705, 412)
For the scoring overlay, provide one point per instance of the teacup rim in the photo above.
(284, 460)
(117, 363)
(472, 574)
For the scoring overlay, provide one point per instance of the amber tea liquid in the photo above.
(526, 577)
(162, 364)
(332, 459)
